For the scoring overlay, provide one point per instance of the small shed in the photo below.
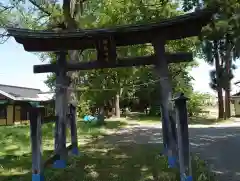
(235, 100)
(15, 100)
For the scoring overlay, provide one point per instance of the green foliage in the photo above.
(83, 108)
(221, 45)
(50, 82)
(198, 102)
(131, 84)
(221, 36)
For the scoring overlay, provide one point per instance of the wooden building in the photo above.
(235, 101)
(15, 101)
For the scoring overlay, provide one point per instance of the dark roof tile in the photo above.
(20, 91)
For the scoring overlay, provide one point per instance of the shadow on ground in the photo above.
(15, 157)
(18, 165)
(203, 120)
(103, 161)
(218, 146)
(132, 155)
(142, 117)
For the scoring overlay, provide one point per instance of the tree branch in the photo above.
(40, 7)
(4, 37)
(5, 8)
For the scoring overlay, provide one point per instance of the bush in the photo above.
(83, 109)
(197, 103)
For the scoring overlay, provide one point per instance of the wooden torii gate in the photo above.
(105, 42)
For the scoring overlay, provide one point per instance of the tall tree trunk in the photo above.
(113, 106)
(228, 87)
(220, 103)
(219, 88)
(227, 104)
(101, 115)
(117, 105)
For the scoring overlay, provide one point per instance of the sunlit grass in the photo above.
(104, 161)
(99, 160)
(15, 148)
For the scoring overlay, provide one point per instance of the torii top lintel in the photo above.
(174, 28)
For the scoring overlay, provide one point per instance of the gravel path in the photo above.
(219, 145)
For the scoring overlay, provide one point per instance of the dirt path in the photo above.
(219, 145)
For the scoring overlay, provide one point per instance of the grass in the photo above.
(15, 145)
(100, 160)
(204, 120)
(207, 121)
(103, 161)
(138, 117)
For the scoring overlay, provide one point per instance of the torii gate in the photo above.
(105, 42)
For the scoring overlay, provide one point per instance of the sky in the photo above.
(16, 66)
(17, 69)
(202, 78)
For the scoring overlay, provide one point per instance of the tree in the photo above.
(223, 37)
(117, 84)
(211, 55)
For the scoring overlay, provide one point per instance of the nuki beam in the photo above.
(124, 62)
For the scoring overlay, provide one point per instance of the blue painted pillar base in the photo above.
(75, 151)
(37, 177)
(59, 164)
(186, 178)
(172, 162)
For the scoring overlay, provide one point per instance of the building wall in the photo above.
(17, 117)
(237, 106)
(17, 113)
(2, 121)
(2, 116)
(10, 115)
(14, 116)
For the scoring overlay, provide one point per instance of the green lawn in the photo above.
(103, 161)
(15, 148)
(100, 159)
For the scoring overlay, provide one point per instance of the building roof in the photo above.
(24, 93)
(237, 94)
(170, 29)
(17, 91)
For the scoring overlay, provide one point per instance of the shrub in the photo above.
(197, 103)
(83, 108)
